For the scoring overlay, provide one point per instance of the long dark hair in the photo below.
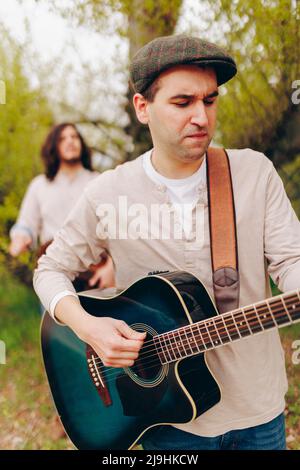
(50, 155)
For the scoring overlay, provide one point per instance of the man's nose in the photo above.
(199, 116)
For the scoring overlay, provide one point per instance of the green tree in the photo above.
(137, 20)
(257, 111)
(24, 121)
(290, 174)
(263, 35)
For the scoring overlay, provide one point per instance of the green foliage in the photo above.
(290, 174)
(158, 16)
(26, 409)
(21, 308)
(264, 37)
(24, 120)
(139, 21)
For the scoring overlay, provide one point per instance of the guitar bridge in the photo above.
(97, 376)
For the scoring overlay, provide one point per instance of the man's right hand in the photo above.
(114, 341)
(19, 244)
(116, 344)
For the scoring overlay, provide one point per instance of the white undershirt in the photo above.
(183, 193)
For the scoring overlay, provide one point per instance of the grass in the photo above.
(28, 419)
(289, 336)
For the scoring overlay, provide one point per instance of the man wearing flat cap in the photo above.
(176, 80)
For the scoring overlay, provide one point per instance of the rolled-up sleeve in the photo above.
(281, 236)
(74, 248)
(29, 219)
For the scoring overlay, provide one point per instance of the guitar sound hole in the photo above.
(147, 366)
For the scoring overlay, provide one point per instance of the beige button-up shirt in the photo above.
(251, 372)
(46, 204)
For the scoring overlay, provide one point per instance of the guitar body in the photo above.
(111, 408)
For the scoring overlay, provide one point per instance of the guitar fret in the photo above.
(242, 324)
(200, 333)
(210, 342)
(216, 342)
(178, 342)
(270, 310)
(193, 341)
(293, 306)
(167, 352)
(196, 342)
(298, 313)
(223, 339)
(253, 321)
(204, 334)
(188, 340)
(183, 345)
(298, 295)
(258, 317)
(169, 347)
(172, 333)
(293, 298)
(235, 323)
(279, 313)
(265, 316)
(287, 312)
(245, 316)
(230, 334)
(160, 350)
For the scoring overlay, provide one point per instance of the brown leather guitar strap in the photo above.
(223, 238)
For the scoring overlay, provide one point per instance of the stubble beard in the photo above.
(71, 161)
(187, 155)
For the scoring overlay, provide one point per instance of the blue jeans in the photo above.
(268, 436)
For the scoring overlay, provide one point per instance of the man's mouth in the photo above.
(198, 135)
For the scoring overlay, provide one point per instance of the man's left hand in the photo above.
(104, 275)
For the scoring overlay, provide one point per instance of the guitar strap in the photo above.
(222, 226)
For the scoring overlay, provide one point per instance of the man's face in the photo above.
(182, 117)
(69, 146)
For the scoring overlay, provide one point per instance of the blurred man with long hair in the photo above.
(51, 196)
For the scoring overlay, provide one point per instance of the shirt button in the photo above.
(161, 188)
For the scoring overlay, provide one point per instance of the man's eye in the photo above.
(183, 104)
(208, 102)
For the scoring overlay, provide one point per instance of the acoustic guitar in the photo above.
(170, 382)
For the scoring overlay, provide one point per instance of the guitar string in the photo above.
(261, 309)
(112, 372)
(189, 329)
(194, 350)
(210, 338)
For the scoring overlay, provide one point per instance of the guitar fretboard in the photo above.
(232, 326)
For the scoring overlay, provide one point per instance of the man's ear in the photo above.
(141, 108)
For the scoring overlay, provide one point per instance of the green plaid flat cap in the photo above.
(167, 51)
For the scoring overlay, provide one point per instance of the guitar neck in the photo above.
(228, 327)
